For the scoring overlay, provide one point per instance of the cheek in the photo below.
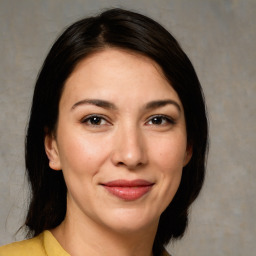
(81, 159)
(169, 158)
(81, 155)
(170, 154)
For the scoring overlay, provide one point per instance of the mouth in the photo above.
(128, 190)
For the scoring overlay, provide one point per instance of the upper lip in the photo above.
(128, 183)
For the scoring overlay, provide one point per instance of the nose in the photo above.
(129, 148)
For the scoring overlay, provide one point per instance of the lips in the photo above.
(128, 190)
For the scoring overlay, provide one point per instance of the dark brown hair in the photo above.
(135, 32)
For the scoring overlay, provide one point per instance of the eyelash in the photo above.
(89, 118)
(99, 118)
(167, 119)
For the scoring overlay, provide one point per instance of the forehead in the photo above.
(108, 58)
(112, 72)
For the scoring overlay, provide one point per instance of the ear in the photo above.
(188, 155)
(51, 150)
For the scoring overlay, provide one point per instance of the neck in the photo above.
(80, 236)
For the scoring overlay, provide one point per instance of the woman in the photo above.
(116, 143)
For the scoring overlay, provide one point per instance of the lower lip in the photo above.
(129, 193)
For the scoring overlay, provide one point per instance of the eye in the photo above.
(160, 120)
(94, 120)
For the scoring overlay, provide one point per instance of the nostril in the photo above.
(130, 165)
(130, 155)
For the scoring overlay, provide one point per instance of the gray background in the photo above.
(219, 37)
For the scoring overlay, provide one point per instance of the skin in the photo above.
(129, 138)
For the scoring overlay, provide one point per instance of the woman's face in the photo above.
(121, 141)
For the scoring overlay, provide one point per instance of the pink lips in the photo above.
(128, 190)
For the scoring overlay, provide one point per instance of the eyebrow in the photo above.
(162, 103)
(108, 105)
(96, 102)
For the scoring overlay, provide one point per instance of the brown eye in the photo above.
(157, 120)
(94, 120)
(160, 120)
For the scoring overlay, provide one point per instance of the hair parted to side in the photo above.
(135, 32)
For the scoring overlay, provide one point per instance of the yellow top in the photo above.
(44, 244)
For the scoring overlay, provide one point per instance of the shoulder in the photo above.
(44, 244)
(32, 246)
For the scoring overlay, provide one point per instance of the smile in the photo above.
(128, 190)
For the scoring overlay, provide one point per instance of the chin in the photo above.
(130, 221)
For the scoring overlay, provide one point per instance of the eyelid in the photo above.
(169, 119)
(86, 118)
